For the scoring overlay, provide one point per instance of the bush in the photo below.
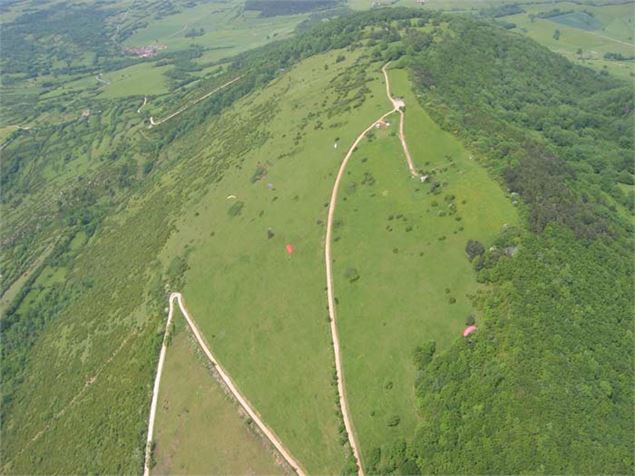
(473, 249)
(394, 420)
(351, 274)
(423, 354)
(236, 209)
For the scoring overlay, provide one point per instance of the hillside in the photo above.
(200, 431)
(519, 216)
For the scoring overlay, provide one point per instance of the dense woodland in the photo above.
(545, 384)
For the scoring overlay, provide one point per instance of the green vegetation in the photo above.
(586, 32)
(407, 240)
(103, 217)
(199, 429)
(139, 80)
(494, 403)
(280, 333)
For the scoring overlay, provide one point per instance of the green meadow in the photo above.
(199, 429)
(145, 79)
(401, 274)
(264, 311)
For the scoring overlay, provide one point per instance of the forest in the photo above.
(543, 385)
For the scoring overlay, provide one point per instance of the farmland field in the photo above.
(226, 30)
(144, 79)
(200, 430)
(407, 281)
(584, 37)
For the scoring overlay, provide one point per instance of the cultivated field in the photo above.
(226, 30)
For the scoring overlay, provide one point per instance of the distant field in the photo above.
(226, 29)
(580, 20)
(144, 79)
(407, 247)
(584, 37)
(199, 429)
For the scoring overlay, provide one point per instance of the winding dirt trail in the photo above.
(185, 108)
(145, 101)
(397, 104)
(244, 403)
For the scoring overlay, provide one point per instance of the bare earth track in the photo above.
(398, 105)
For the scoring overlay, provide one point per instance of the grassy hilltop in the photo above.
(527, 154)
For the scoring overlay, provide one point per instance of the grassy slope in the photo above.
(199, 430)
(262, 311)
(400, 300)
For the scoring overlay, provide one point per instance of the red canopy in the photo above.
(289, 248)
(468, 330)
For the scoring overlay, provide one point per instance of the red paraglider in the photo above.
(468, 330)
(289, 248)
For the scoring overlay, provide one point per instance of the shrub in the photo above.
(236, 209)
(394, 420)
(474, 248)
(423, 354)
(351, 274)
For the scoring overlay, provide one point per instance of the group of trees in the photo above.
(270, 8)
(548, 377)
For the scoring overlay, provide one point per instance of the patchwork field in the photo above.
(200, 430)
(401, 274)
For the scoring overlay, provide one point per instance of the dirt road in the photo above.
(244, 403)
(185, 108)
(398, 104)
(341, 388)
(145, 101)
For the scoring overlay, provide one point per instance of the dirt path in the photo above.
(397, 104)
(145, 101)
(99, 79)
(244, 403)
(185, 108)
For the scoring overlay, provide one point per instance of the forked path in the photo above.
(244, 403)
(397, 104)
